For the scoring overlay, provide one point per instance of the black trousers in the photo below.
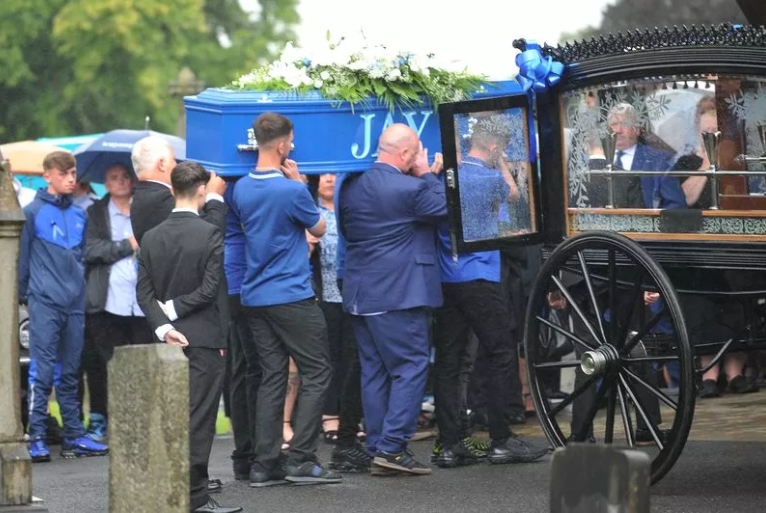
(206, 369)
(344, 397)
(103, 333)
(243, 385)
(296, 330)
(479, 306)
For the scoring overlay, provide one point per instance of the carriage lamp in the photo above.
(710, 140)
(608, 145)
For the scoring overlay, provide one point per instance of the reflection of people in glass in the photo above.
(697, 188)
(633, 154)
(485, 179)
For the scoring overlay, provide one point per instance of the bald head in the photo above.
(398, 136)
(399, 146)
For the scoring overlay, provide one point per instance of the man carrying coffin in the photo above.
(275, 210)
(180, 276)
(473, 300)
(389, 216)
(153, 160)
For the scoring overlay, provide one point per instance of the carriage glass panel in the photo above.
(490, 172)
(672, 158)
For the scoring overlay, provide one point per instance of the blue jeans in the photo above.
(55, 336)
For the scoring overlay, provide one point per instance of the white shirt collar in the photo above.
(628, 151)
(161, 183)
(184, 209)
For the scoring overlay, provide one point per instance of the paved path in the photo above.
(711, 477)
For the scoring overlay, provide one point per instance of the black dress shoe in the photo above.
(644, 436)
(709, 389)
(213, 507)
(742, 385)
(214, 486)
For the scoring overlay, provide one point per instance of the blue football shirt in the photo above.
(482, 192)
(275, 212)
(234, 262)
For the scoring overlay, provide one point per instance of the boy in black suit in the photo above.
(179, 287)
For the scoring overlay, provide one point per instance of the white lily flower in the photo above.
(393, 75)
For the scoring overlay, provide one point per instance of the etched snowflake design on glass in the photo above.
(749, 108)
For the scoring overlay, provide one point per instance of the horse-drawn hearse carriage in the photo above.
(651, 209)
(637, 162)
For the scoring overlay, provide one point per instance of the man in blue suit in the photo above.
(388, 216)
(655, 191)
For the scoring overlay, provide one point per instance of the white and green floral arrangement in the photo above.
(356, 72)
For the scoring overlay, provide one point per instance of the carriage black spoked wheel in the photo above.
(604, 323)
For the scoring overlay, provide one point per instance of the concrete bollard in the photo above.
(149, 429)
(590, 478)
(15, 463)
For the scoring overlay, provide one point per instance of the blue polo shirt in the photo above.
(234, 261)
(482, 192)
(274, 213)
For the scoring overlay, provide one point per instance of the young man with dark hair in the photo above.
(180, 282)
(275, 209)
(52, 283)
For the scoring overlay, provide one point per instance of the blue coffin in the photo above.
(330, 137)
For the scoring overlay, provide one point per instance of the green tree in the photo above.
(625, 15)
(81, 66)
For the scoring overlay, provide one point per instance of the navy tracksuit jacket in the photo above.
(52, 282)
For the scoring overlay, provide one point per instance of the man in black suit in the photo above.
(153, 160)
(180, 279)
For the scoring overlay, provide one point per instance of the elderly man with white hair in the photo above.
(153, 160)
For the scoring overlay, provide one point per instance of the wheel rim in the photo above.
(618, 343)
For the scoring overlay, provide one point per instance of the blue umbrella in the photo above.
(114, 147)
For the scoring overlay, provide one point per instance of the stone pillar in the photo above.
(148, 429)
(15, 463)
(595, 478)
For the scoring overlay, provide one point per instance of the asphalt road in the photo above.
(710, 477)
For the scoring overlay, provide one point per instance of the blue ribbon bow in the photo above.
(537, 71)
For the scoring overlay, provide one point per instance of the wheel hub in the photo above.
(600, 361)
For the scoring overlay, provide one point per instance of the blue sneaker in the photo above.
(39, 451)
(97, 428)
(81, 447)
